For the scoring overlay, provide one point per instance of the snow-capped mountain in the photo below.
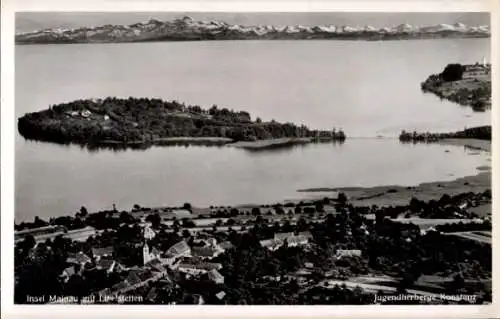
(186, 29)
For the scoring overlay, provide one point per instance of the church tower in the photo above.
(145, 253)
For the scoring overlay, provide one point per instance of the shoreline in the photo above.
(111, 122)
(384, 195)
(203, 141)
(388, 195)
(270, 143)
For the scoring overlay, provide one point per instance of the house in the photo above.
(215, 276)
(306, 234)
(198, 268)
(347, 253)
(271, 244)
(109, 265)
(309, 265)
(106, 117)
(85, 113)
(148, 255)
(225, 245)
(99, 253)
(156, 265)
(148, 233)
(299, 240)
(212, 242)
(151, 296)
(67, 273)
(220, 295)
(425, 231)
(283, 236)
(78, 259)
(206, 252)
(181, 249)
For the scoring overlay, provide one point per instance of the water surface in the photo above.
(366, 88)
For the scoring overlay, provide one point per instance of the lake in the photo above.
(368, 89)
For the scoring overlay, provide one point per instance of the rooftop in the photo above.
(179, 248)
(104, 251)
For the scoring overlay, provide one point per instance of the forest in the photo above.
(479, 132)
(146, 121)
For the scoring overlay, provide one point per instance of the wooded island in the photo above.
(144, 121)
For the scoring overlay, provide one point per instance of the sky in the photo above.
(30, 21)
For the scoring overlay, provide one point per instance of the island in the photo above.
(187, 29)
(468, 85)
(143, 122)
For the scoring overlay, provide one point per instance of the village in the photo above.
(192, 255)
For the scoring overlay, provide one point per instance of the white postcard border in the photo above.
(9, 7)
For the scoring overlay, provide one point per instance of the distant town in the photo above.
(324, 251)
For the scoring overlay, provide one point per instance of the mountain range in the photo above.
(187, 29)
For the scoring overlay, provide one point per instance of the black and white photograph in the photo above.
(252, 158)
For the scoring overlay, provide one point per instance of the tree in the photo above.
(452, 72)
(256, 211)
(83, 211)
(126, 218)
(319, 207)
(342, 198)
(457, 283)
(28, 243)
(38, 222)
(298, 209)
(155, 220)
(187, 206)
(186, 233)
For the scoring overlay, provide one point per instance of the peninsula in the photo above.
(142, 122)
(187, 29)
(468, 85)
(479, 132)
